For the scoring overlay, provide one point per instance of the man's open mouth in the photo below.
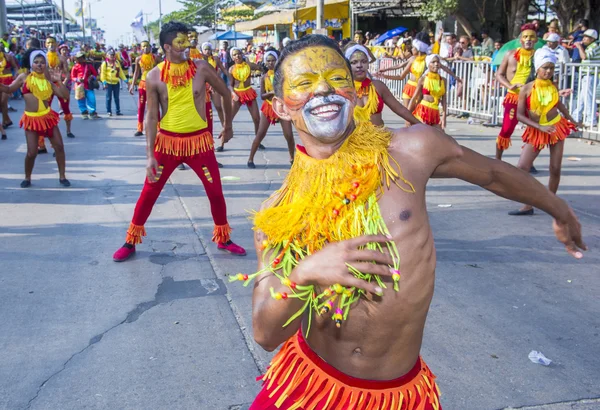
(326, 111)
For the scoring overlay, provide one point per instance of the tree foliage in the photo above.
(435, 10)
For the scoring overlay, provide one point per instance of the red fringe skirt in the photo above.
(246, 96)
(541, 140)
(267, 110)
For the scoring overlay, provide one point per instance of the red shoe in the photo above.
(123, 253)
(232, 248)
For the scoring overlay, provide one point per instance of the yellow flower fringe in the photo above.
(329, 200)
(433, 83)
(147, 62)
(39, 86)
(241, 72)
(53, 59)
(417, 67)
(184, 146)
(134, 234)
(177, 75)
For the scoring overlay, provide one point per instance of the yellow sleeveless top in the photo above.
(212, 62)
(147, 63)
(417, 68)
(241, 72)
(269, 81)
(434, 85)
(524, 61)
(182, 116)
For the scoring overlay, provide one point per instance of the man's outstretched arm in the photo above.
(508, 182)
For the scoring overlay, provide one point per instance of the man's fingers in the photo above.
(372, 256)
(365, 239)
(371, 287)
(372, 268)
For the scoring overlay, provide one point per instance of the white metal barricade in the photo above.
(481, 96)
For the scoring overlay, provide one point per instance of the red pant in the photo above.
(509, 122)
(205, 166)
(141, 107)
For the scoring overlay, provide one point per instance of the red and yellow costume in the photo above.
(374, 104)
(543, 98)
(44, 119)
(323, 201)
(183, 137)
(524, 63)
(209, 91)
(417, 68)
(6, 78)
(147, 63)
(428, 112)
(299, 379)
(267, 105)
(54, 63)
(241, 72)
(195, 54)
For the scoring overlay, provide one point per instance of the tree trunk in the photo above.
(520, 10)
(464, 23)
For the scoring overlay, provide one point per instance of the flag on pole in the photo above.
(138, 21)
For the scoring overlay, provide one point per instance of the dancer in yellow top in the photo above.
(513, 73)
(7, 65)
(38, 87)
(217, 64)
(243, 93)
(59, 64)
(269, 117)
(177, 86)
(540, 109)
(430, 93)
(373, 95)
(143, 64)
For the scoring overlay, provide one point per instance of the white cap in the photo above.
(591, 33)
(553, 38)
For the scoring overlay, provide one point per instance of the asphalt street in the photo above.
(166, 330)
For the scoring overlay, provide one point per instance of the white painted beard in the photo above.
(327, 118)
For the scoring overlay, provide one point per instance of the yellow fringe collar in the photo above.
(177, 75)
(53, 59)
(366, 87)
(241, 72)
(39, 86)
(147, 62)
(544, 96)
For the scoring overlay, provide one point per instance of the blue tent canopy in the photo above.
(233, 35)
(390, 34)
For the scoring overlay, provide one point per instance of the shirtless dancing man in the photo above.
(353, 185)
(178, 87)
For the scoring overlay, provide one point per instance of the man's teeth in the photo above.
(326, 109)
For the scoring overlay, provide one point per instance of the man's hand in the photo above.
(153, 171)
(548, 129)
(515, 87)
(330, 265)
(226, 135)
(565, 92)
(569, 233)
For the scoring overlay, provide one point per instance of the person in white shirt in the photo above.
(553, 44)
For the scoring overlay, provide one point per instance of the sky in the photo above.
(115, 16)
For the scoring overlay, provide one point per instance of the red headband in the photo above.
(528, 26)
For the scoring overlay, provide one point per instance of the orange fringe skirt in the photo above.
(267, 110)
(299, 379)
(541, 140)
(41, 122)
(427, 114)
(246, 96)
(184, 144)
(409, 90)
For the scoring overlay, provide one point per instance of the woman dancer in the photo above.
(430, 93)
(372, 94)
(539, 108)
(38, 87)
(268, 116)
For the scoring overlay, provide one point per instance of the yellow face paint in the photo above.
(318, 92)
(193, 36)
(50, 44)
(528, 38)
(313, 70)
(181, 42)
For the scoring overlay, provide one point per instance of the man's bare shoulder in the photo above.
(153, 76)
(427, 146)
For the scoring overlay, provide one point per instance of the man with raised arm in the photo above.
(346, 253)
